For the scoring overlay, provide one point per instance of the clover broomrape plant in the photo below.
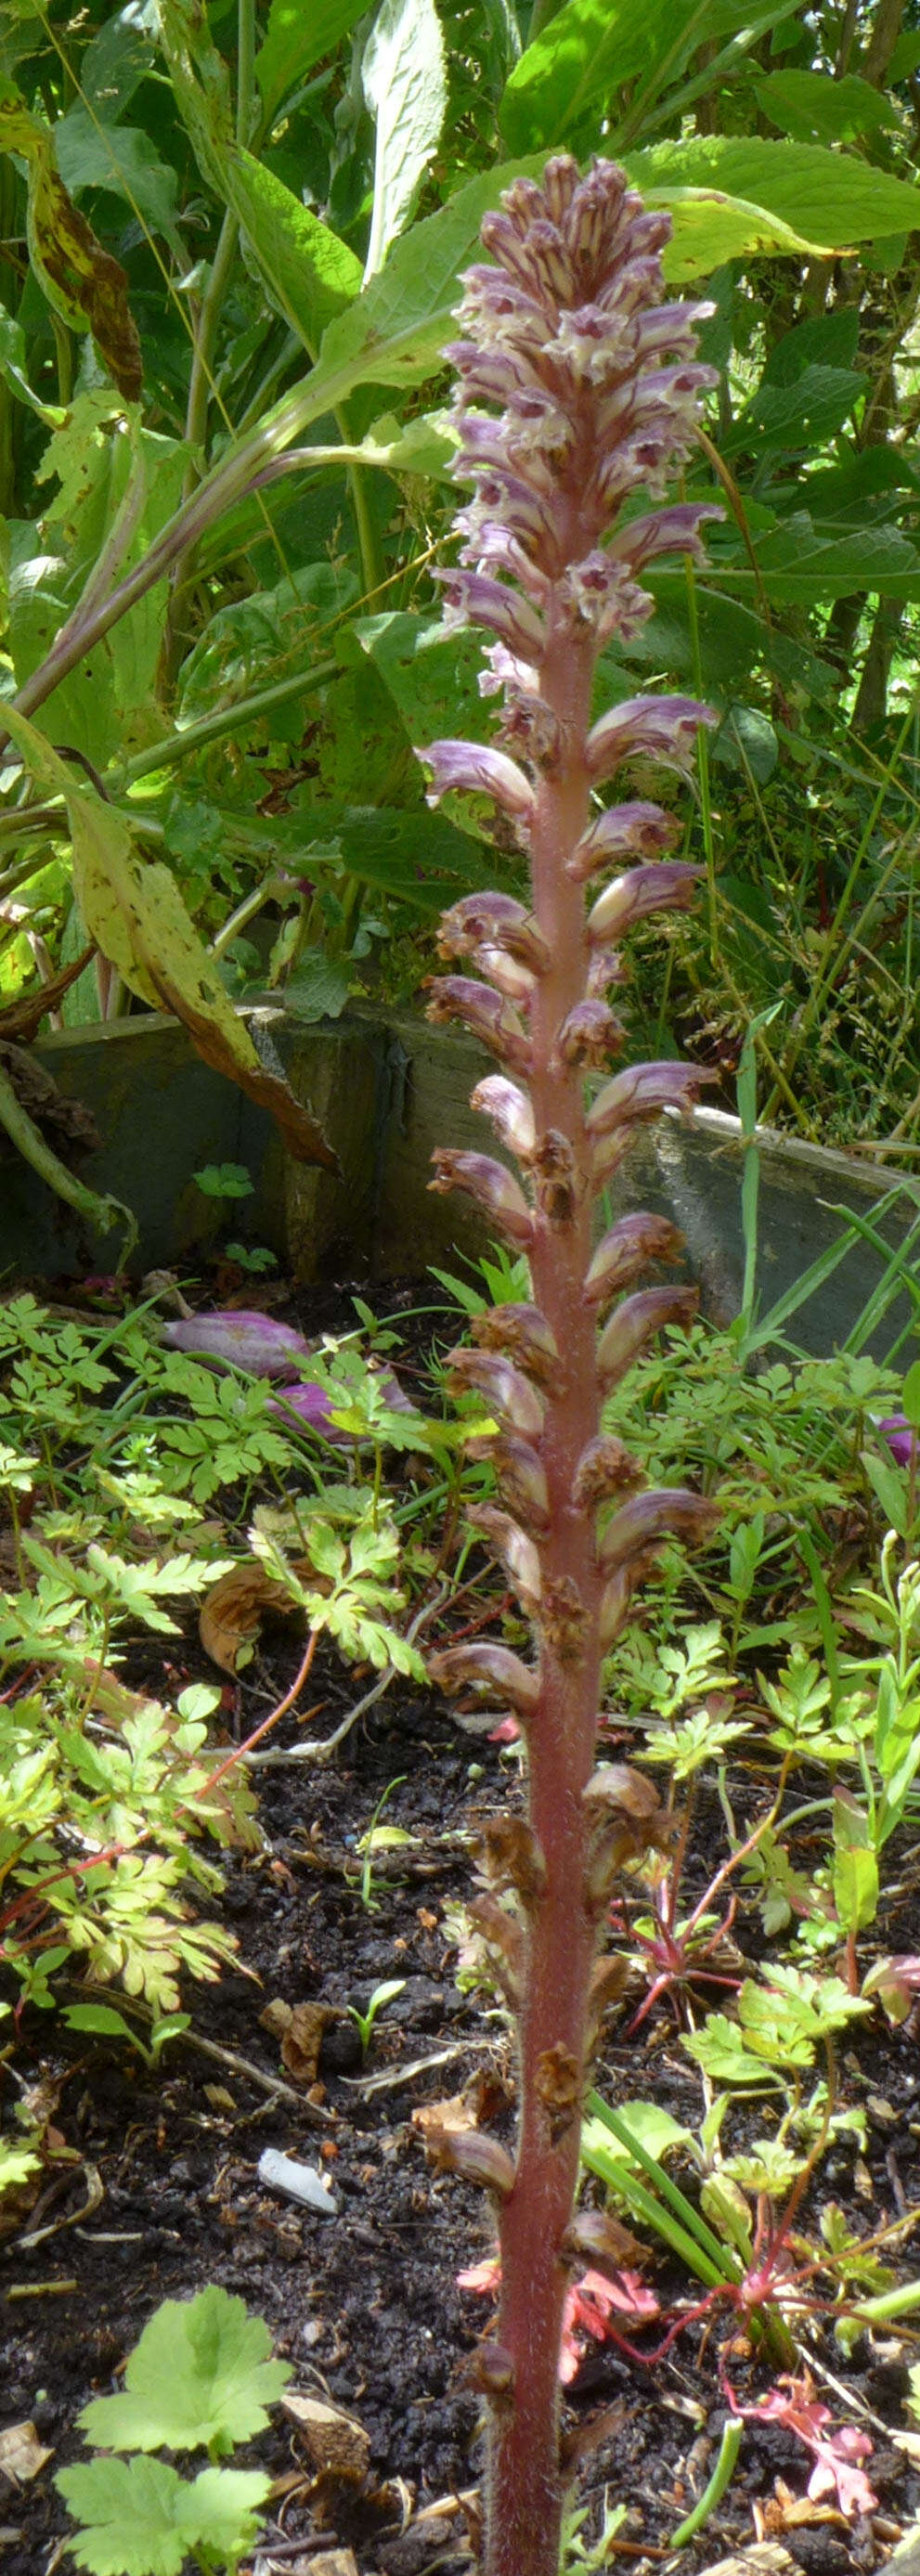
(578, 388)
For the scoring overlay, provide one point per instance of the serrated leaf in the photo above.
(200, 2378)
(309, 274)
(92, 153)
(812, 106)
(405, 85)
(830, 198)
(219, 2512)
(130, 2515)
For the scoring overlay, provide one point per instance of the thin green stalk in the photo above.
(702, 757)
(102, 1213)
(231, 719)
(712, 2495)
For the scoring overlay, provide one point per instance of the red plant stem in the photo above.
(561, 1936)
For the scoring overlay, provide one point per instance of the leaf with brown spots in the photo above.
(84, 285)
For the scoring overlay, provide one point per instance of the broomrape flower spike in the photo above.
(578, 392)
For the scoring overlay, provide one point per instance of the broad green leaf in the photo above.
(309, 274)
(106, 466)
(115, 62)
(136, 915)
(799, 564)
(826, 340)
(829, 197)
(804, 414)
(130, 2512)
(218, 2513)
(574, 69)
(711, 227)
(811, 107)
(94, 154)
(405, 86)
(199, 2379)
(296, 37)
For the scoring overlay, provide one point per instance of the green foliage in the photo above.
(199, 2379)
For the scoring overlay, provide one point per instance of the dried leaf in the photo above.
(453, 2111)
(303, 2039)
(21, 2453)
(232, 1612)
(333, 2440)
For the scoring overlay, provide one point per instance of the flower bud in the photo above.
(623, 831)
(524, 1332)
(503, 1388)
(511, 1112)
(507, 973)
(634, 1324)
(589, 1036)
(494, 1189)
(475, 767)
(604, 1469)
(648, 1519)
(498, 918)
(488, 1016)
(663, 729)
(519, 1473)
(474, 2156)
(515, 1551)
(642, 1091)
(486, 1667)
(669, 886)
(624, 1253)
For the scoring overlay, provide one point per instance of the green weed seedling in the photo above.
(200, 2379)
(385, 1994)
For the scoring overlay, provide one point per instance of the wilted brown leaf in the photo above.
(21, 2453)
(232, 1612)
(334, 2441)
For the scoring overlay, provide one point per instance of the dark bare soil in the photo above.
(364, 2302)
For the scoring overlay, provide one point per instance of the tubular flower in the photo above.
(578, 394)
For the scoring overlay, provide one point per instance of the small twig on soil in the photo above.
(38, 2235)
(40, 2289)
(318, 1751)
(273, 2084)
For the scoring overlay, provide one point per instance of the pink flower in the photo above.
(591, 2304)
(793, 2404)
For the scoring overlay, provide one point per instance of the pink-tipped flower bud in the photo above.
(502, 1386)
(480, 771)
(520, 1474)
(524, 1332)
(497, 919)
(486, 1667)
(494, 1189)
(648, 1519)
(589, 1036)
(642, 1091)
(663, 729)
(511, 1113)
(624, 1252)
(669, 887)
(488, 1016)
(635, 830)
(634, 1324)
